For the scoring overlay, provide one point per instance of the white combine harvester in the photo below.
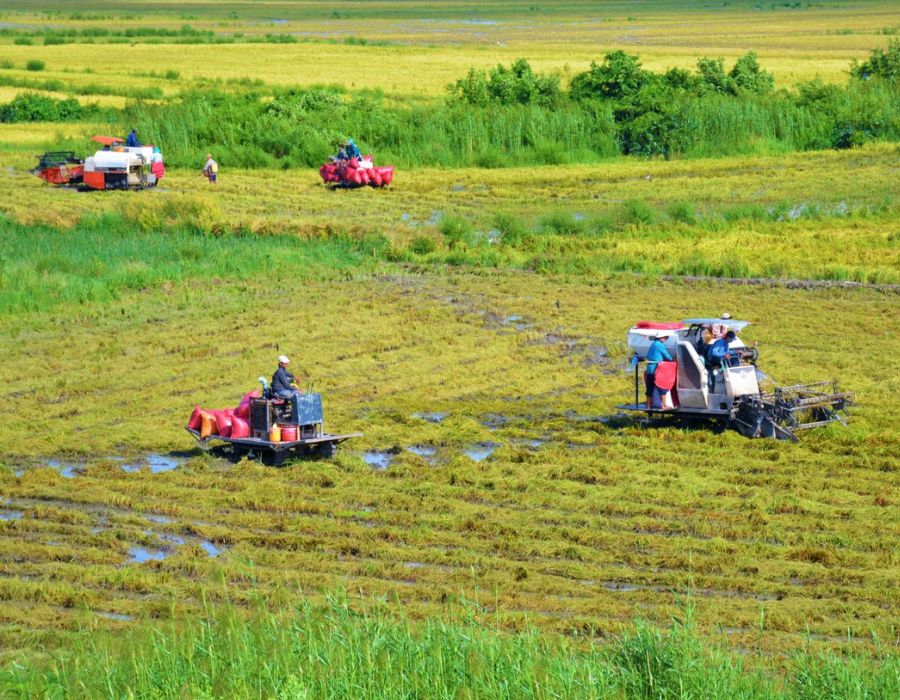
(729, 392)
(121, 167)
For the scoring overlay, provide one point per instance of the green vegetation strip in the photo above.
(335, 652)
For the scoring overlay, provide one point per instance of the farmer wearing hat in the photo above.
(211, 170)
(284, 384)
(656, 354)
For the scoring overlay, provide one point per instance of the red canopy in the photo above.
(652, 325)
(108, 140)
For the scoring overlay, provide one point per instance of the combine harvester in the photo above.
(267, 428)
(356, 172)
(730, 393)
(115, 167)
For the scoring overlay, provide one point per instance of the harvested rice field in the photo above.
(501, 527)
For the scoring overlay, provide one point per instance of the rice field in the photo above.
(488, 402)
(419, 49)
(471, 323)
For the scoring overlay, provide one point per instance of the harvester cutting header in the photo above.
(700, 368)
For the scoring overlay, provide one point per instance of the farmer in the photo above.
(284, 384)
(132, 139)
(352, 149)
(656, 354)
(211, 169)
(719, 354)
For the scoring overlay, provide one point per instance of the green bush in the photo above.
(35, 65)
(23, 41)
(880, 64)
(683, 212)
(518, 84)
(457, 232)
(34, 107)
(423, 245)
(512, 230)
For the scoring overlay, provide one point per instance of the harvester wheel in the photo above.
(326, 450)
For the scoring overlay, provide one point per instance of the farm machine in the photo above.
(268, 428)
(356, 172)
(114, 167)
(693, 386)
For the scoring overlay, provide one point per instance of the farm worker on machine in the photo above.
(718, 354)
(348, 149)
(132, 139)
(211, 169)
(284, 383)
(656, 354)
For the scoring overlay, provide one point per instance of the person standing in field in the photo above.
(656, 354)
(211, 169)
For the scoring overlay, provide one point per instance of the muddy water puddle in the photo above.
(481, 451)
(155, 463)
(432, 417)
(11, 515)
(378, 460)
(120, 617)
(141, 555)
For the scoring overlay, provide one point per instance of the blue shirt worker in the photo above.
(283, 382)
(656, 354)
(352, 149)
(132, 140)
(719, 354)
(719, 351)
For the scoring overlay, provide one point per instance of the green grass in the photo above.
(107, 257)
(338, 652)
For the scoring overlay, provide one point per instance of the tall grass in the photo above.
(302, 131)
(301, 127)
(99, 260)
(334, 652)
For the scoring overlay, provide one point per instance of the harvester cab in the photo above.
(696, 384)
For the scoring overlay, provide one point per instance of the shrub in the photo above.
(34, 65)
(422, 245)
(636, 211)
(23, 41)
(747, 76)
(54, 41)
(683, 212)
(518, 84)
(880, 64)
(457, 231)
(510, 227)
(33, 107)
(562, 223)
(620, 75)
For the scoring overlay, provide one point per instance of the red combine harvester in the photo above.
(114, 167)
(356, 172)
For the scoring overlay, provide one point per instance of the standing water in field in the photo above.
(481, 451)
(377, 460)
